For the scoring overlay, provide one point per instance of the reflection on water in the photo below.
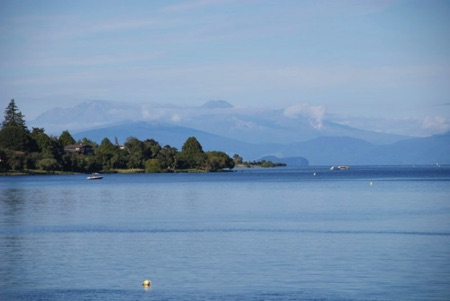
(12, 205)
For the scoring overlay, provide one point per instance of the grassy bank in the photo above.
(127, 171)
(35, 172)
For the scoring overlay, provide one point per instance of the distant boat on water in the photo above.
(340, 167)
(95, 176)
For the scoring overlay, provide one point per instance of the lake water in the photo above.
(369, 233)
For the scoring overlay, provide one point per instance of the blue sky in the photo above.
(383, 65)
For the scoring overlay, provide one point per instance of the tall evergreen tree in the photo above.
(66, 139)
(13, 117)
(14, 134)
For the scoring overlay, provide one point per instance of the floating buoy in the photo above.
(146, 283)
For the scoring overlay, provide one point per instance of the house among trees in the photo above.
(82, 149)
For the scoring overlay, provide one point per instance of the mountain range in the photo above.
(291, 134)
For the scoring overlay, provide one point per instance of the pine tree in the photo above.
(66, 138)
(14, 134)
(13, 117)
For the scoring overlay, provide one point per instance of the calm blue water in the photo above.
(259, 234)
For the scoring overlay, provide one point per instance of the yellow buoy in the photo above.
(146, 283)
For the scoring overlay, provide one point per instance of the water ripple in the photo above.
(97, 229)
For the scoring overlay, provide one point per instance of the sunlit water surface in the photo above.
(369, 233)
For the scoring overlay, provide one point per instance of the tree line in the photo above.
(22, 149)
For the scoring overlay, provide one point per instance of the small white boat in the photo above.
(95, 176)
(340, 167)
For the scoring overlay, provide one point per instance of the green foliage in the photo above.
(191, 155)
(107, 154)
(106, 146)
(13, 117)
(32, 159)
(49, 165)
(66, 139)
(4, 158)
(262, 163)
(41, 139)
(265, 163)
(80, 163)
(217, 160)
(237, 159)
(153, 165)
(88, 142)
(48, 146)
(151, 148)
(167, 156)
(14, 138)
(192, 146)
(21, 150)
(14, 134)
(120, 159)
(135, 149)
(16, 161)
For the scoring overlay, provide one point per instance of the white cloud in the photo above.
(176, 118)
(155, 113)
(242, 124)
(435, 124)
(314, 113)
(409, 126)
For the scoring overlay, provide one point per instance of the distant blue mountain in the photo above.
(216, 117)
(346, 150)
(165, 134)
(248, 132)
(217, 104)
(318, 151)
(334, 150)
(428, 150)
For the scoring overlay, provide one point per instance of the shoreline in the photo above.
(34, 172)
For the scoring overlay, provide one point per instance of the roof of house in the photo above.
(76, 146)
